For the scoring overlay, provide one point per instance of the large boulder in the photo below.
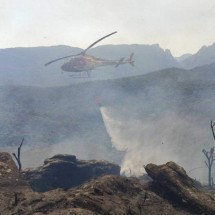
(65, 171)
(172, 182)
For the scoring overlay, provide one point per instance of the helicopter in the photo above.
(83, 62)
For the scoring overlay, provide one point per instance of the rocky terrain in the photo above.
(171, 181)
(170, 192)
(11, 183)
(65, 171)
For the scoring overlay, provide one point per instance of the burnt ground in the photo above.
(104, 195)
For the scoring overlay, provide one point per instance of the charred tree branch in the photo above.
(17, 157)
(212, 129)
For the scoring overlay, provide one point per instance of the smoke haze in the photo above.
(156, 118)
(156, 140)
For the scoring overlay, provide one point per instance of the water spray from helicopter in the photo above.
(148, 141)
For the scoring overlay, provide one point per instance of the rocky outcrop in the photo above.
(108, 195)
(172, 182)
(65, 171)
(170, 192)
(9, 174)
(11, 183)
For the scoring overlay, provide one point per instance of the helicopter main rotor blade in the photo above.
(61, 59)
(97, 42)
(83, 52)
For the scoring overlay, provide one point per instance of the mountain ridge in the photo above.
(205, 55)
(25, 66)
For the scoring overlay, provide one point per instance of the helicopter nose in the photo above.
(65, 67)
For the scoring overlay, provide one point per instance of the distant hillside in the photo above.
(147, 58)
(25, 66)
(183, 57)
(206, 55)
(52, 120)
(155, 117)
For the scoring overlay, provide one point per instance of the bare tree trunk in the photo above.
(212, 128)
(210, 157)
(17, 157)
(209, 177)
(209, 163)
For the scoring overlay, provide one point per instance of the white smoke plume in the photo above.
(157, 139)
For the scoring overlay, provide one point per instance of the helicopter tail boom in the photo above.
(119, 62)
(129, 60)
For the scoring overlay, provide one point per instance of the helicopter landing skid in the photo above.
(82, 75)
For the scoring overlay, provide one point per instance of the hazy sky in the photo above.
(179, 25)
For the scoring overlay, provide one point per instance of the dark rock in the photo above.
(173, 183)
(65, 171)
(67, 158)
